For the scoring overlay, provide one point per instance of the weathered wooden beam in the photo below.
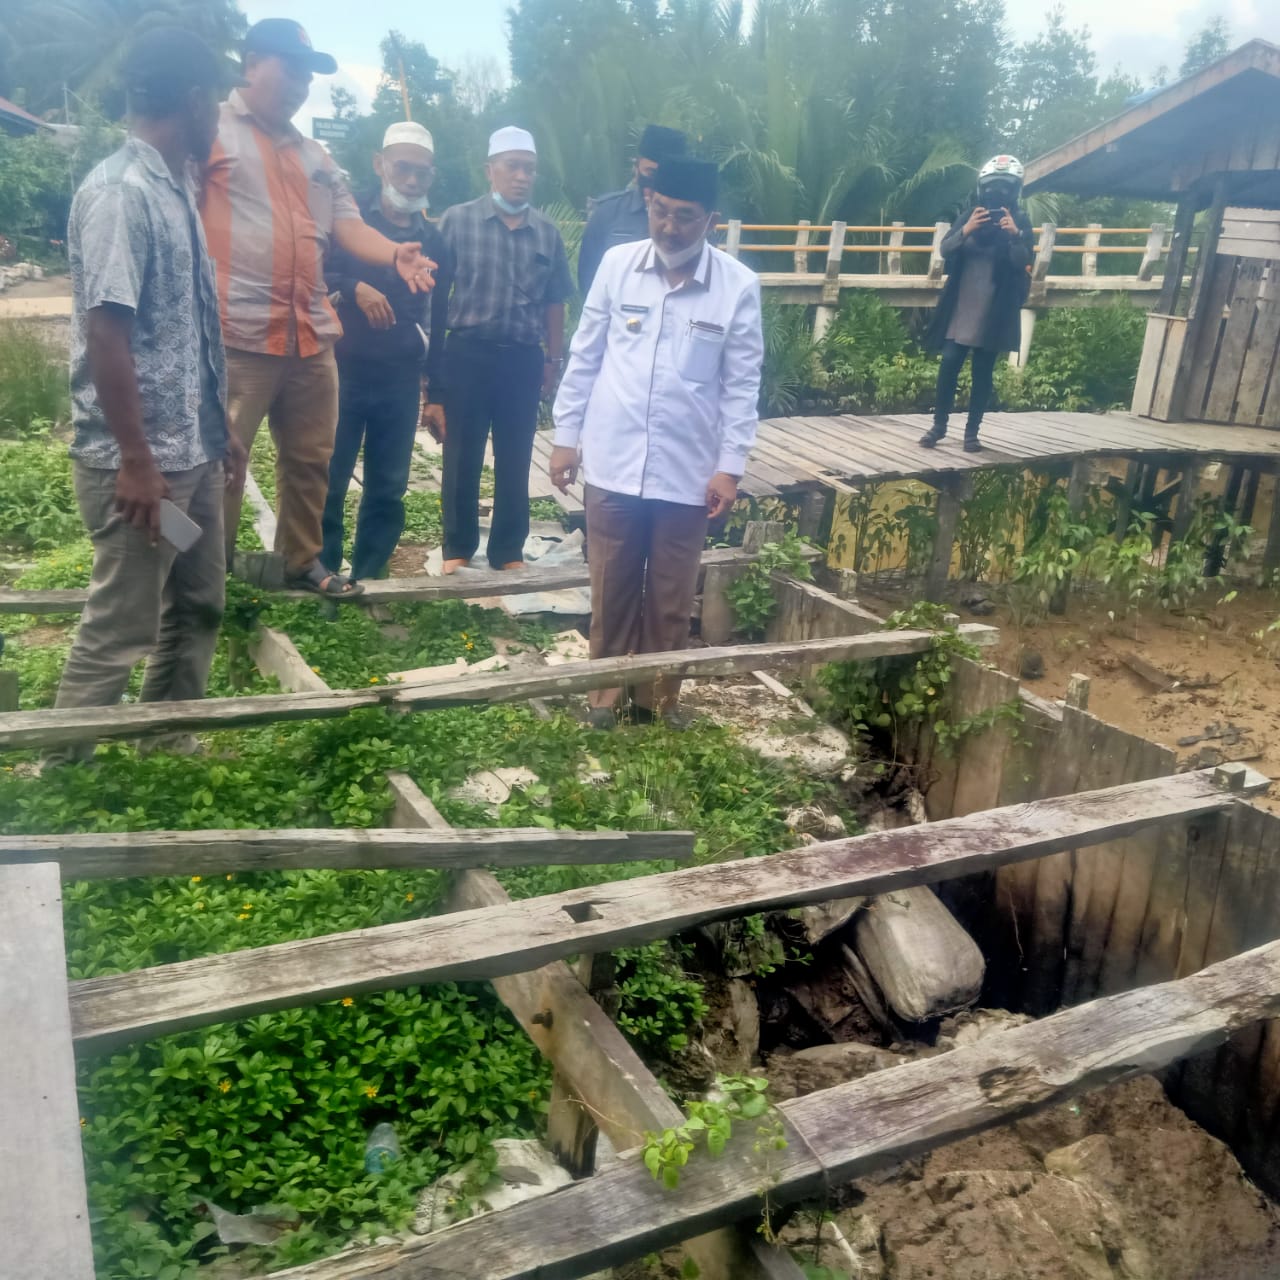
(1089, 258)
(276, 656)
(937, 264)
(835, 257)
(802, 239)
(1184, 222)
(114, 1010)
(1151, 254)
(176, 853)
(893, 260)
(1077, 490)
(733, 238)
(842, 1133)
(594, 1063)
(1040, 267)
(84, 724)
(44, 1214)
(953, 492)
(468, 584)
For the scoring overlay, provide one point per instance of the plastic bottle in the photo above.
(382, 1148)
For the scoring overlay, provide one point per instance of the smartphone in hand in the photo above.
(177, 528)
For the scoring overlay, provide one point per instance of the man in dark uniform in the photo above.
(622, 217)
(384, 363)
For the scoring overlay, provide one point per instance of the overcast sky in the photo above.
(1136, 35)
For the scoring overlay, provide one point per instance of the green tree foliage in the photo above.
(1211, 42)
(81, 44)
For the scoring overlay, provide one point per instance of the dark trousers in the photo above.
(644, 557)
(377, 408)
(984, 364)
(491, 386)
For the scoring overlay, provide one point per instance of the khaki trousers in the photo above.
(298, 396)
(644, 557)
(146, 601)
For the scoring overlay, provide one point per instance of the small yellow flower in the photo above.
(199, 906)
(347, 1002)
(373, 679)
(224, 1086)
(244, 915)
(533, 1093)
(408, 897)
(196, 879)
(470, 645)
(83, 1122)
(371, 1091)
(231, 875)
(316, 670)
(246, 906)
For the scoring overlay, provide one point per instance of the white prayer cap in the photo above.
(511, 139)
(407, 131)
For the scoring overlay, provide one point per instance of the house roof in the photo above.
(1223, 119)
(13, 119)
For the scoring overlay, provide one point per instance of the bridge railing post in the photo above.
(802, 241)
(733, 240)
(835, 256)
(936, 264)
(1089, 260)
(896, 237)
(1040, 269)
(1152, 253)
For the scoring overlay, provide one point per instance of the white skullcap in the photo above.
(511, 139)
(407, 131)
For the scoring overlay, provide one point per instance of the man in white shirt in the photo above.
(658, 402)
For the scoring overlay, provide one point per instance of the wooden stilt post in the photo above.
(1271, 556)
(1250, 495)
(1179, 247)
(1217, 549)
(1196, 314)
(1124, 503)
(1187, 491)
(1077, 491)
(953, 492)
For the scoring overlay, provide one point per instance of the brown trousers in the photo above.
(299, 398)
(644, 558)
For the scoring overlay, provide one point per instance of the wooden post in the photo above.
(802, 253)
(815, 515)
(1179, 248)
(1250, 502)
(8, 691)
(953, 492)
(1187, 491)
(1026, 330)
(894, 257)
(733, 241)
(1196, 315)
(1151, 254)
(1040, 268)
(1077, 490)
(43, 1205)
(759, 533)
(1124, 502)
(822, 318)
(1271, 556)
(835, 258)
(1078, 692)
(1089, 258)
(936, 261)
(1217, 548)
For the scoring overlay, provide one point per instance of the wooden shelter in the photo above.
(1210, 142)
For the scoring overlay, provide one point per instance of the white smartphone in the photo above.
(177, 528)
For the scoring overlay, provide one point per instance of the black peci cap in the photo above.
(683, 178)
(657, 142)
(166, 63)
(284, 38)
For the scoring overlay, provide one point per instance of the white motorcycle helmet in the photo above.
(1001, 174)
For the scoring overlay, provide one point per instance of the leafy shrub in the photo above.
(660, 1002)
(790, 369)
(37, 499)
(33, 379)
(864, 331)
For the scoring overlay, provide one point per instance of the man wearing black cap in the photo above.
(151, 452)
(659, 404)
(273, 204)
(622, 217)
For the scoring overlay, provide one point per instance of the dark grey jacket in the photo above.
(1012, 283)
(621, 217)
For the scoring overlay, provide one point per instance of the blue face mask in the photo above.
(507, 207)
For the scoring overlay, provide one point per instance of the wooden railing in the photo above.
(906, 264)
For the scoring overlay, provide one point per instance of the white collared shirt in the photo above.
(662, 383)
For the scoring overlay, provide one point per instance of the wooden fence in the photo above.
(1162, 874)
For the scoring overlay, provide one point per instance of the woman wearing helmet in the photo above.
(988, 255)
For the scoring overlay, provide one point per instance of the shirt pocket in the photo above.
(535, 277)
(699, 357)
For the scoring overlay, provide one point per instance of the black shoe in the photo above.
(972, 444)
(604, 718)
(931, 438)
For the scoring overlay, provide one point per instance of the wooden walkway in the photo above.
(842, 454)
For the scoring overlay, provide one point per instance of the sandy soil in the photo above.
(1215, 643)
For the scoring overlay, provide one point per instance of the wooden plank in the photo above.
(45, 728)
(1202, 319)
(1258, 381)
(44, 1214)
(1237, 329)
(276, 656)
(1149, 362)
(841, 1133)
(592, 1058)
(464, 585)
(1040, 266)
(177, 853)
(1151, 254)
(1271, 553)
(114, 1010)
(1078, 486)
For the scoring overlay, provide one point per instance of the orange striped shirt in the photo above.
(269, 206)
